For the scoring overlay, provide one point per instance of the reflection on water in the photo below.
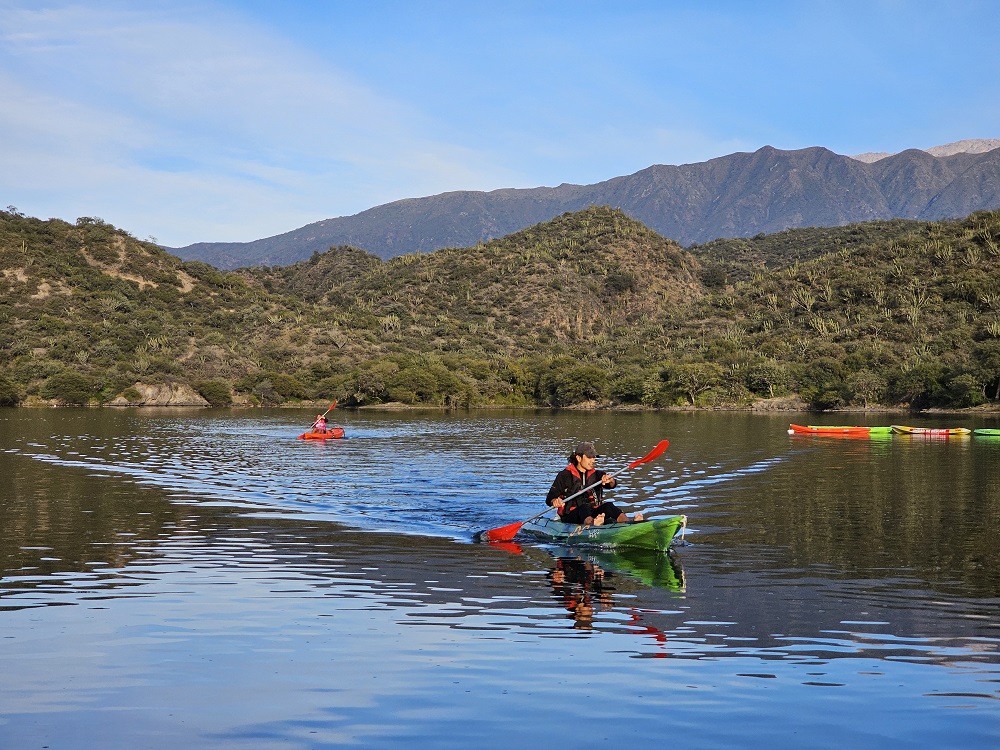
(588, 579)
(276, 593)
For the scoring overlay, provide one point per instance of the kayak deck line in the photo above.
(653, 534)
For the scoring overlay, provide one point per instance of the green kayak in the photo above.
(987, 432)
(655, 533)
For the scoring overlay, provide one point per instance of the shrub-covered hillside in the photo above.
(909, 319)
(589, 307)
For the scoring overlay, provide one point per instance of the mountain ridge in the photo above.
(738, 195)
(968, 146)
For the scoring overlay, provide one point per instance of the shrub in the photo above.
(216, 392)
(619, 282)
(70, 388)
(131, 395)
(10, 394)
(288, 386)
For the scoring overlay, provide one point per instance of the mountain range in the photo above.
(739, 195)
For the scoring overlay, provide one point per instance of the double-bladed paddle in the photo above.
(506, 533)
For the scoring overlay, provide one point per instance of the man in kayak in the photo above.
(588, 508)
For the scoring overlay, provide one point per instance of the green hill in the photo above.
(739, 259)
(589, 307)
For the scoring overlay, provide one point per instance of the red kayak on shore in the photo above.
(332, 432)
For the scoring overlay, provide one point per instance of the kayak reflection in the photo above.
(651, 567)
(586, 580)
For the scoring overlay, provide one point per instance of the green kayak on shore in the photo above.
(656, 533)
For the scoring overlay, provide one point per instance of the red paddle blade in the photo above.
(513, 547)
(657, 451)
(502, 534)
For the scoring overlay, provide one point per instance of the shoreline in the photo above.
(762, 407)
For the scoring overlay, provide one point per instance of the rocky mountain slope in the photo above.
(739, 195)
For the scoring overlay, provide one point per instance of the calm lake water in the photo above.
(202, 579)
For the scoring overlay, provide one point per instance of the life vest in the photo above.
(580, 482)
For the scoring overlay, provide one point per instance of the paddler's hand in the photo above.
(558, 503)
(607, 479)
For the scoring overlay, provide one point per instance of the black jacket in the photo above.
(569, 481)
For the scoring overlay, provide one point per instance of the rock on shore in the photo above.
(163, 394)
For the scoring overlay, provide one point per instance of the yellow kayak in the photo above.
(904, 430)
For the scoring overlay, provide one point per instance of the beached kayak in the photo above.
(904, 430)
(332, 432)
(656, 533)
(813, 429)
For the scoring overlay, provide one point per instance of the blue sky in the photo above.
(235, 120)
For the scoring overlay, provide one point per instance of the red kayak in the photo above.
(332, 432)
(832, 430)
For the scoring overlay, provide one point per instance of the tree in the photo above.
(867, 386)
(413, 385)
(693, 378)
(627, 387)
(964, 390)
(822, 383)
(566, 382)
(986, 355)
(265, 393)
(582, 383)
(918, 385)
(370, 383)
(288, 386)
(767, 374)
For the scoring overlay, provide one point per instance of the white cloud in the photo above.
(196, 120)
(234, 133)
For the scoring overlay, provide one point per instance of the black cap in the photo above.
(586, 449)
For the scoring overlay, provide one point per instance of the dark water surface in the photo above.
(202, 579)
